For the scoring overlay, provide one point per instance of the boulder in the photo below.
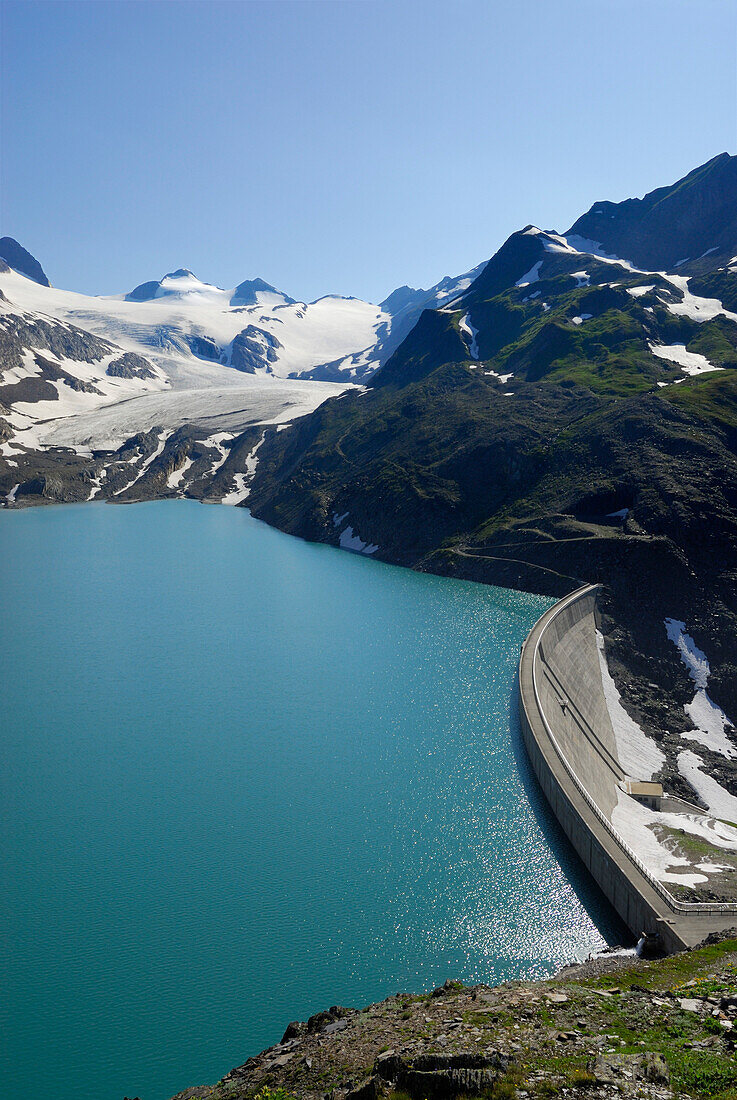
(440, 1076)
(369, 1089)
(294, 1030)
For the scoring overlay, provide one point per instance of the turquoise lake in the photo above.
(246, 778)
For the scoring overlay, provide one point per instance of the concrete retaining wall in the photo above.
(566, 727)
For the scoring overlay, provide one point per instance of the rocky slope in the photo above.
(569, 417)
(618, 1026)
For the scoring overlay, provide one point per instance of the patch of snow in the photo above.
(711, 725)
(720, 802)
(692, 657)
(10, 497)
(692, 306)
(638, 291)
(710, 720)
(503, 378)
(708, 828)
(457, 287)
(585, 245)
(174, 479)
(554, 242)
(349, 541)
(531, 297)
(531, 276)
(337, 520)
(217, 442)
(471, 333)
(161, 443)
(581, 318)
(638, 754)
(97, 483)
(621, 514)
(243, 480)
(634, 822)
(692, 362)
(582, 278)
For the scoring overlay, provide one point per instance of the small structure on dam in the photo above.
(653, 855)
(649, 794)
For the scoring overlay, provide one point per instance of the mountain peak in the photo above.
(17, 257)
(399, 298)
(670, 224)
(174, 283)
(246, 293)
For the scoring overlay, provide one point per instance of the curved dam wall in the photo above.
(570, 741)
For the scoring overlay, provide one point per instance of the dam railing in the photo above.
(657, 885)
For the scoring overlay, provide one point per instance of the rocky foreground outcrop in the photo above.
(616, 1026)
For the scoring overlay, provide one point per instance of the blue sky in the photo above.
(345, 146)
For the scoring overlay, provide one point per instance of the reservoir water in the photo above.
(245, 778)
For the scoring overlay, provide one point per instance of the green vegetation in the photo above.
(273, 1094)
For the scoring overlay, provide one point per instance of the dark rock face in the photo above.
(54, 373)
(204, 348)
(673, 223)
(130, 365)
(327, 1021)
(253, 349)
(440, 343)
(515, 258)
(18, 333)
(39, 388)
(28, 389)
(440, 1076)
(20, 260)
(293, 1030)
(505, 468)
(50, 487)
(369, 1089)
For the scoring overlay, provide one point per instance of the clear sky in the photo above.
(343, 146)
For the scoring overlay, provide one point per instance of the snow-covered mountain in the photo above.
(176, 354)
(252, 328)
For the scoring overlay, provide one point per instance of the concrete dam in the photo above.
(570, 738)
